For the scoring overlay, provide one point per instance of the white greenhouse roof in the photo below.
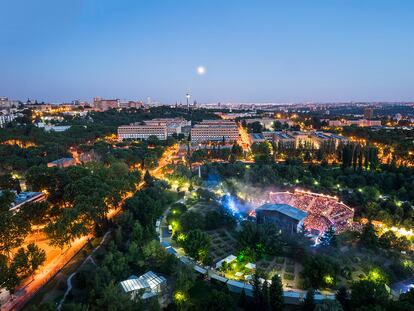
(147, 281)
(228, 259)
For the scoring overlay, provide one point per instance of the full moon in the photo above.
(201, 70)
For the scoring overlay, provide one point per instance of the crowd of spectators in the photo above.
(323, 211)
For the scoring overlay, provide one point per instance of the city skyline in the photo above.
(219, 52)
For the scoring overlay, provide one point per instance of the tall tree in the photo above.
(309, 302)
(369, 237)
(369, 294)
(237, 151)
(328, 239)
(258, 299)
(242, 303)
(13, 228)
(276, 293)
(328, 305)
(266, 296)
(343, 297)
(148, 179)
(111, 298)
(197, 244)
(184, 278)
(36, 256)
(20, 263)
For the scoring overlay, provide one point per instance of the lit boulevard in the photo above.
(57, 259)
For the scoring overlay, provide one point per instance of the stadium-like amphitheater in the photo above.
(323, 211)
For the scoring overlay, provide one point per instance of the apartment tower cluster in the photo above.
(161, 128)
(215, 130)
(205, 131)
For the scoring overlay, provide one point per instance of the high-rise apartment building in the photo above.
(161, 128)
(101, 104)
(368, 113)
(215, 130)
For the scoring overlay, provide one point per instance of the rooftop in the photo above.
(285, 209)
(62, 160)
(257, 136)
(24, 196)
(148, 281)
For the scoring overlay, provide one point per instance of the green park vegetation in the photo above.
(398, 142)
(367, 256)
(358, 265)
(78, 198)
(44, 147)
(132, 249)
(16, 260)
(384, 194)
(371, 256)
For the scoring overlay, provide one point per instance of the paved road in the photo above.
(26, 291)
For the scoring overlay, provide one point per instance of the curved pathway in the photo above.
(89, 258)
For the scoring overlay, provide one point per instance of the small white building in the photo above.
(147, 285)
(23, 198)
(229, 259)
(53, 128)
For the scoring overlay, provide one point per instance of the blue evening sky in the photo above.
(253, 51)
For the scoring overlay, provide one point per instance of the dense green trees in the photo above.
(319, 272)
(26, 261)
(261, 238)
(16, 262)
(276, 293)
(218, 300)
(197, 244)
(217, 151)
(262, 152)
(255, 127)
(262, 296)
(132, 249)
(367, 294)
(309, 301)
(378, 195)
(328, 305)
(400, 140)
(343, 297)
(278, 126)
(112, 299)
(8, 182)
(82, 195)
(328, 239)
(49, 146)
(370, 238)
(236, 152)
(359, 156)
(212, 219)
(13, 227)
(185, 278)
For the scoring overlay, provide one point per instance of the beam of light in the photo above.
(231, 205)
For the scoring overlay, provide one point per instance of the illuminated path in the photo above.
(89, 258)
(296, 295)
(26, 291)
